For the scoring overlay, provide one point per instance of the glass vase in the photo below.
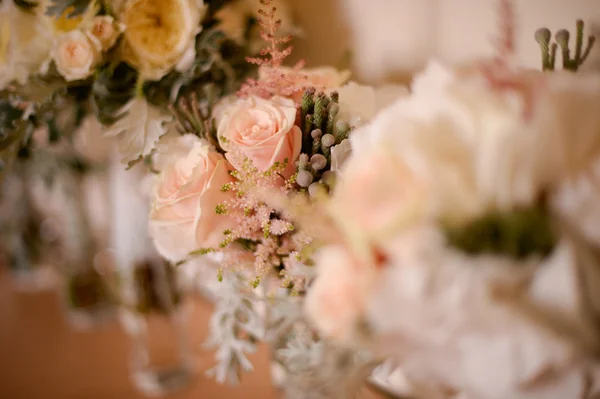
(155, 317)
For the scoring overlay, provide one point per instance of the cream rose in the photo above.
(76, 55)
(106, 30)
(158, 33)
(183, 217)
(261, 130)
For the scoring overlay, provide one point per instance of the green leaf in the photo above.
(519, 233)
(75, 7)
(111, 90)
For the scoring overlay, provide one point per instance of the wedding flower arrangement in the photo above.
(449, 231)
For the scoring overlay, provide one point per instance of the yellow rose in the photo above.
(158, 33)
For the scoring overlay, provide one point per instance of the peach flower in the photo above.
(377, 192)
(338, 298)
(76, 55)
(106, 30)
(261, 130)
(183, 217)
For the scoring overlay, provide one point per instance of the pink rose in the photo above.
(106, 30)
(261, 130)
(377, 191)
(183, 217)
(338, 298)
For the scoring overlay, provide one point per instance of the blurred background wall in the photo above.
(396, 37)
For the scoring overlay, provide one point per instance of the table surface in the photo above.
(42, 357)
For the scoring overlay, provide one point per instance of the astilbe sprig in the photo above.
(505, 43)
(275, 81)
(262, 237)
(271, 55)
(501, 74)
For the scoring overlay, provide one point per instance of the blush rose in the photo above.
(262, 131)
(183, 217)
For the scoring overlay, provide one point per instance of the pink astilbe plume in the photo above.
(501, 74)
(271, 55)
(274, 81)
(262, 237)
(506, 42)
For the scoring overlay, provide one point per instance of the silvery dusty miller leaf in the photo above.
(138, 130)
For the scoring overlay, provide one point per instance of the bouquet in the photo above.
(285, 131)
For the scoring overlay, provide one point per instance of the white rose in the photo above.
(76, 55)
(444, 317)
(476, 148)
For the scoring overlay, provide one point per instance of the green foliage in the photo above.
(16, 132)
(220, 63)
(519, 234)
(75, 7)
(113, 87)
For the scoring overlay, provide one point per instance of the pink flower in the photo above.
(338, 298)
(261, 130)
(377, 192)
(183, 216)
(106, 30)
